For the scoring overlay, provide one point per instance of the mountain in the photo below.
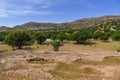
(36, 26)
(86, 22)
(4, 28)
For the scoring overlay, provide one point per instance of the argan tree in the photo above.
(18, 39)
(116, 36)
(39, 37)
(81, 36)
(56, 44)
(62, 36)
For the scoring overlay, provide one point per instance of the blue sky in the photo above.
(15, 12)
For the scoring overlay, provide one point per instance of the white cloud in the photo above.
(42, 3)
(23, 7)
(38, 12)
(8, 8)
(7, 13)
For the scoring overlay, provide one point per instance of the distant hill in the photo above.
(4, 28)
(86, 22)
(36, 26)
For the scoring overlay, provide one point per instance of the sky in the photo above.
(16, 12)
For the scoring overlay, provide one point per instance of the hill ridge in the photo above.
(85, 22)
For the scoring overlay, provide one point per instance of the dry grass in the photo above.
(2, 67)
(4, 47)
(64, 71)
(42, 47)
(74, 71)
(117, 75)
(18, 67)
(2, 78)
(111, 45)
(110, 60)
(71, 71)
(13, 76)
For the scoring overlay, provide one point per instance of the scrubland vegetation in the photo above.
(61, 54)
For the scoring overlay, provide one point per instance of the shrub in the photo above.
(104, 38)
(81, 36)
(18, 39)
(56, 45)
(97, 35)
(61, 36)
(39, 37)
(2, 35)
(116, 36)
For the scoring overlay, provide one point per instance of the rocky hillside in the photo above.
(36, 26)
(86, 22)
(4, 28)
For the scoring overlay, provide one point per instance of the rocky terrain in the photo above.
(86, 22)
(71, 62)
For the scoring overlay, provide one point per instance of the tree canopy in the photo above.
(18, 39)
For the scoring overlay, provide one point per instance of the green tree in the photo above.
(81, 36)
(116, 36)
(62, 36)
(97, 35)
(2, 35)
(56, 45)
(18, 39)
(40, 38)
(104, 38)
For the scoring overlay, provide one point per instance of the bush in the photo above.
(81, 36)
(2, 36)
(104, 38)
(39, 37)
(56, 45)
(18, 39)
(97, 35)
(61, 36)
(116, 36)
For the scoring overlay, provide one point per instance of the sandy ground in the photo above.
(17, 63)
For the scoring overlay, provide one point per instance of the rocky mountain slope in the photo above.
(86, 22)
(4, 28)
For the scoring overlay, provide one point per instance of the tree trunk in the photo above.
(19, 47)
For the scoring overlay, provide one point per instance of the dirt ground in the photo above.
(17, 67)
